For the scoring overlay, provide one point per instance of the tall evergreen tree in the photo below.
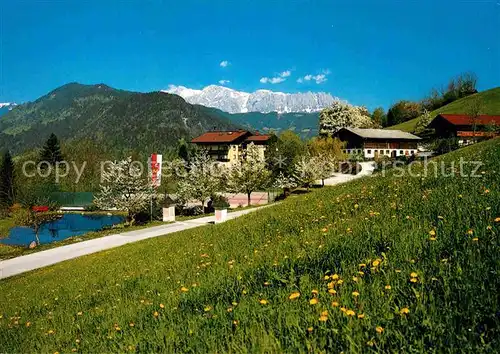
(51, 151)
(6, 180)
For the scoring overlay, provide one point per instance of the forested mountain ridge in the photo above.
(117, 120)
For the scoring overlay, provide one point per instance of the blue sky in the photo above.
(370, 52)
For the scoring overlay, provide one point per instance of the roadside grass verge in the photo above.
(378, 264)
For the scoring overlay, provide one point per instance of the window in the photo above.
(368, 151)
(401, 152)
(387, 152)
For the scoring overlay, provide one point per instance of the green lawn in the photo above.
(349, 268)
(490, 100)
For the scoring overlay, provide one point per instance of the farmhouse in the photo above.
(228, 146)
(466, 128)
(374, 143)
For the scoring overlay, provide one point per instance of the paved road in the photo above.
(367, 169)
(42, 259)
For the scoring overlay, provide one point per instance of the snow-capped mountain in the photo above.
(9, 105)
(263, 101)
(6, 107)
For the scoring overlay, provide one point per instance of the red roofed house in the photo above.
(462, 126)
(228, 146)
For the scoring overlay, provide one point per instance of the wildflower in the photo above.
(315, 292)
(376, 263)
(387, 287)
(332, 291)
(50, 331)
(470, 232)
(266, 283)
(340, 281)
(310, 329)
(184, 289)
(335, 304)
(355, 294)
(263, 302)
(432, 239)
(294, 295)
(28, 324)
(80, 313)
(475, 239)
(413, 280)
(331, 285)
(236, 322)
(361, 316)
(379, 329)
(356, 206)
(336, 276)
(497, 219)
(131, 324)
(370, 343)
(162, 306)
(324, 229)
(355, 279)
(362, 265)
(313, 301)
(156, 314)
(350, 313)
(404, 311)
(413, 275)
(207, 308)
(432, 233)
(326, 277)
(118, 329)
(440, 217)
(489, 227)
(486, 191)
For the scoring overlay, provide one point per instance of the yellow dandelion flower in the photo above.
(379, 329)
(362, 265)
(370, 343)
(50, 331)
(470, 232)
(340, 282)
(388, 287)
(263, 302)
(432, 233)
(324, 229)
(432, 239)
(229, 309)
(79, 313)
(310, 329)
(266, 283)
(404, 311)
(497, 219)
(28, 324)
(294, 295)
(414, 280)
(207, 308)
(118, 329)
(315, 292)
(413, 275)
(162, 306)
(376, 263)
(313, 301)
(156, 314)
(355, 279)
(326, 277)
(361, 316)
(331, 284)
(350, 313)
(184, 289)
(324, 313)
(343, 309)
(336, 276)
(355, 294)
(236, 322)
(332, 291)
(131, 324)
(335, 304)
(356, 206)
(475, 239)
(323, 318)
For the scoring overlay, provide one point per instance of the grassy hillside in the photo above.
(113, 119)
(490, 100)
(384, 264)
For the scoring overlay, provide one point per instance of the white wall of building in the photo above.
(370, 153)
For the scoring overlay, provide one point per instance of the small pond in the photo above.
(68, 225)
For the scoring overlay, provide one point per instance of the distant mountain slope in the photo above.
(116, 120)
(304, 124)
(6, 107)
(263, 101)
(490, 105)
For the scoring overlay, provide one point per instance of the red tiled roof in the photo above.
(463, 119)
(220, 136)
(259, 138)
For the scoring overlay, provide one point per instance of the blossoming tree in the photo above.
(340, 115)
(124, 188)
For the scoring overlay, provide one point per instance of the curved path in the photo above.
(42, 259)
(367, 169)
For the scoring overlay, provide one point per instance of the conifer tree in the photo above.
(51, 151)
(6, 180)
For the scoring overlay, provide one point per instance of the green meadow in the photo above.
(385, 263)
